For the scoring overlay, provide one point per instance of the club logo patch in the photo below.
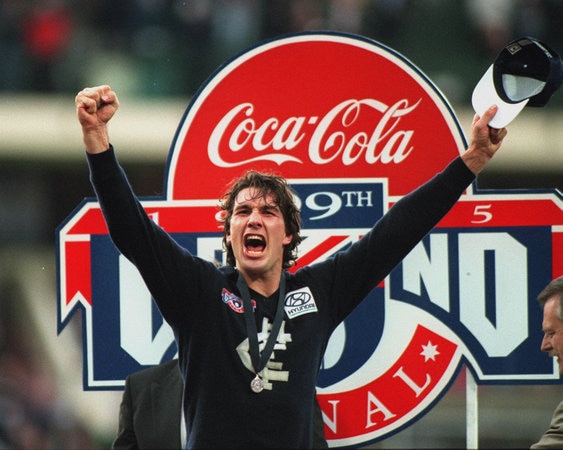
(300, 302)
(234, 302)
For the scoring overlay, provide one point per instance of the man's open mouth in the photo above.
(254, 243)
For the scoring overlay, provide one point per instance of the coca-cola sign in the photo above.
(323, 102)
(274, 140)
(354, 126)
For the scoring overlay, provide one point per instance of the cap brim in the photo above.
(485, 96)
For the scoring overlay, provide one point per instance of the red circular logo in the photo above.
(314, 105)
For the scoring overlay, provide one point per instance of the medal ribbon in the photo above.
(259, 360)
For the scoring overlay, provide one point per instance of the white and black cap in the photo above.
(525, 73)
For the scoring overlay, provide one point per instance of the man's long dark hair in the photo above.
(264, 185)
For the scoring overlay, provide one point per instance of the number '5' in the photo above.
(483, 211)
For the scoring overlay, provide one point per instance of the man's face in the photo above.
(552, 327)
(257, 234)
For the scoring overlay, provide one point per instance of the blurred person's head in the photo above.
(551, 298)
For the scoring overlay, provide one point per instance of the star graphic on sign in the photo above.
(429, 351)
